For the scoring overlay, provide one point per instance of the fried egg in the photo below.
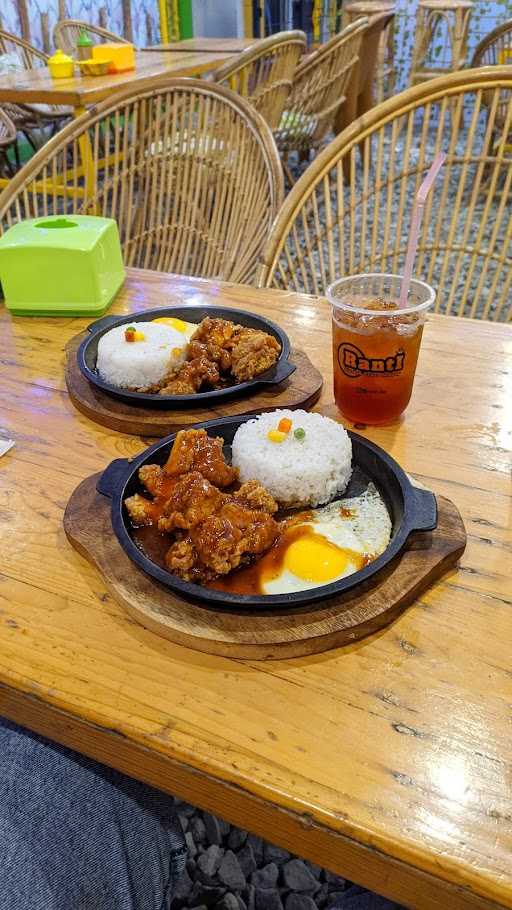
(328, 545)
(186, 329)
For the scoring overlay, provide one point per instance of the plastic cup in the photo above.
(376, 344)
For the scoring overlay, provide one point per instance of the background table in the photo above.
(387, 761)
(37, 86)
(207, 45)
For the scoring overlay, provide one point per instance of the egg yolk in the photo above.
(314, 558)
(175, 323)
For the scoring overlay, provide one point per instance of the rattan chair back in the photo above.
(188, 169)
(67, 32)
(351, 210)
(31, 57)
(264, 73)
(320, 87)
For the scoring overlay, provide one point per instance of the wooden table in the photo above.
(36, 86)
(207, 45)
(387, 761)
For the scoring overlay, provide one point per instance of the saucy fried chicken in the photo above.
(222, 541)
(194, 450)
(193, 499)
(252, 353)
(212, 532)
(191, 376)
(215, 336)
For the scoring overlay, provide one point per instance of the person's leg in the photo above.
(75, 835)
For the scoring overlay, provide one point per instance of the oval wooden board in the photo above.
(266, 635)
(301, 390)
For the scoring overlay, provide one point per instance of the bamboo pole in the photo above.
(127, 19)
(149, 28)
(62, 10)
(164, 21)
(248, 19)
(102, 17)
(24, 19)
(45, 33)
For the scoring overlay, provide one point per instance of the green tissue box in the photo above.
(61, 266)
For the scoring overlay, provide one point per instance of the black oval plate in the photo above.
(88, 350)
(410, 509)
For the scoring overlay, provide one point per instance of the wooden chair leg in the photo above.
(288, 174)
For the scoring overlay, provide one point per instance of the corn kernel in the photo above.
(139, 336)
(276, 436)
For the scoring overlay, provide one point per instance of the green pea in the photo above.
(299, 433)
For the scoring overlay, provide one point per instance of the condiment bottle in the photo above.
(83, 45)
(60, 65)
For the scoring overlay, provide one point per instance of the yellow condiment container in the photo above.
(120, 56)
(61, 66)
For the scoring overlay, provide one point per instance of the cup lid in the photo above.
(60, 57)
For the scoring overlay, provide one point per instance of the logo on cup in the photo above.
(354, 362)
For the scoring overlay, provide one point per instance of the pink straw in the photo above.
(417, 215)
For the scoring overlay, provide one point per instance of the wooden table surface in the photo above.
(37, 86)
(207, 45)
(387, 761)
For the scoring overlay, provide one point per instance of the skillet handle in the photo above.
(112, 477)
(424, 511)
(102, 323)
(282, 371)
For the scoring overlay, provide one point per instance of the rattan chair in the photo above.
(67, 32)
(191, 175)
(360, 97)
(495, 49)
(320, 87)
(7, 141)
(339, 221)
(264, 73)
(27, 117)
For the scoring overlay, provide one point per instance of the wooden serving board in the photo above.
(301, 390)
(261, 635)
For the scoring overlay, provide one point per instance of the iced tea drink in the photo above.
(376, 344)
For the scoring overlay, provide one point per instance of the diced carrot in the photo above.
(284, 425)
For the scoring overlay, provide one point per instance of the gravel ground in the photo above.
(229, 869)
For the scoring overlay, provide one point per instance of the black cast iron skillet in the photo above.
(87, 354)
(410, 510)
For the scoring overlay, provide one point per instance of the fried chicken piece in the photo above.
(214, 531)
(196, 349)
(192, 500)
(224, 539)
(216, 335)
(191, 376)
(255, 496)
(141, 511)
(157, 482)
(194, 450)
(182, 559)
(151, 476)
(253, 352)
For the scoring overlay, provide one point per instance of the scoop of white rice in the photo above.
(307, 472)
(139, 364)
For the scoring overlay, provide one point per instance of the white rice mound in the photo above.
(139, 364)
(306, 472)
